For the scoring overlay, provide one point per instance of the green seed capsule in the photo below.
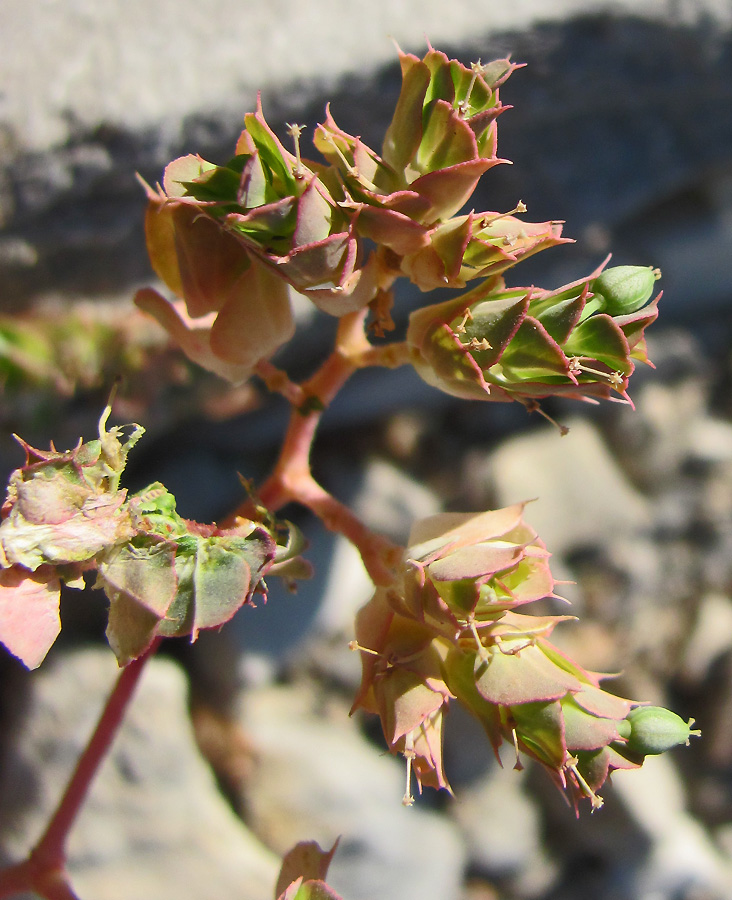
(625, 289)
(654, 730)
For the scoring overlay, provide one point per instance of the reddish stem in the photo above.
(292, 480)
(44, 870)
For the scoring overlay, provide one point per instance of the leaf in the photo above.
(524, 675)
(143, 572)
(307, 860)
(601, 338)
(540, 728)
(404, 134)
(131, 627)
(405, 702)
(255, 318)
(29, 613)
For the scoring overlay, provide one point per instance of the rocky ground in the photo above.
(239, 746)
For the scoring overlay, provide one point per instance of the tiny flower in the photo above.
(500, 344)
(448, 630)
(442, 138)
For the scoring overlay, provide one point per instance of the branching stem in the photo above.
(292, 479)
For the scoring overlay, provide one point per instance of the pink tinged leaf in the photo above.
(355, 292)
(391, 229)
(314, 215)
(97, 525)
(255, 320)
(533, 353)
(405, 701)
(476, 561)
(223, 584)
(633, 327)
(326, 262)
(371, 628)
(523, 676)
(406, 202)
(131, 627)
(601, 703)
(499, 321)
(192, 254)
(192, 335)
(29, 613)
(404, 134)
(453, 530)
(438, 264)
(50, 500)
(601, 338)
(182, 170)
(428, 765)
(449, 189)
(584, 731)
(305, 860)
(447, 139)
(310, 890)
(560, 318)
(540, 728)
(253, 185)
(263, 222)
(145, 574)
(596, 765)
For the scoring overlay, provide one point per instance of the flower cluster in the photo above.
(581, 341)
(65, 514)
(232, 241)
(449, 629)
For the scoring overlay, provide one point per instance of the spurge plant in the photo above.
(450, 620)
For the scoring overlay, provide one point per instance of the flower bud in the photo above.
(654, 730)
(624, 289)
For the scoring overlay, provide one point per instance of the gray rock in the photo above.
(682, 861)
(154, 824)
(501, 826)
(316, 778)
(582, 497)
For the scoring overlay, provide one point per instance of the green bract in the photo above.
(448, 629)
(499, 344)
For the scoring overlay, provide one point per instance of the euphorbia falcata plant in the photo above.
(451, 618)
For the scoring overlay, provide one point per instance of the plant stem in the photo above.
(292, 480)
(44, 870)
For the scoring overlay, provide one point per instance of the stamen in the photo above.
(533, 406)
(352, 170)
(489, 220)
(615, 379)
(295, 131)
(467, 317)
(477, 68)
(482, 652)
(595, 799)
(409, 754)
(354, 645)
(518, 765)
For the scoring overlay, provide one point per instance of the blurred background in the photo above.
(240, 745)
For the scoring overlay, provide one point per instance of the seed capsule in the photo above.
(624, 289)
(654, 730)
